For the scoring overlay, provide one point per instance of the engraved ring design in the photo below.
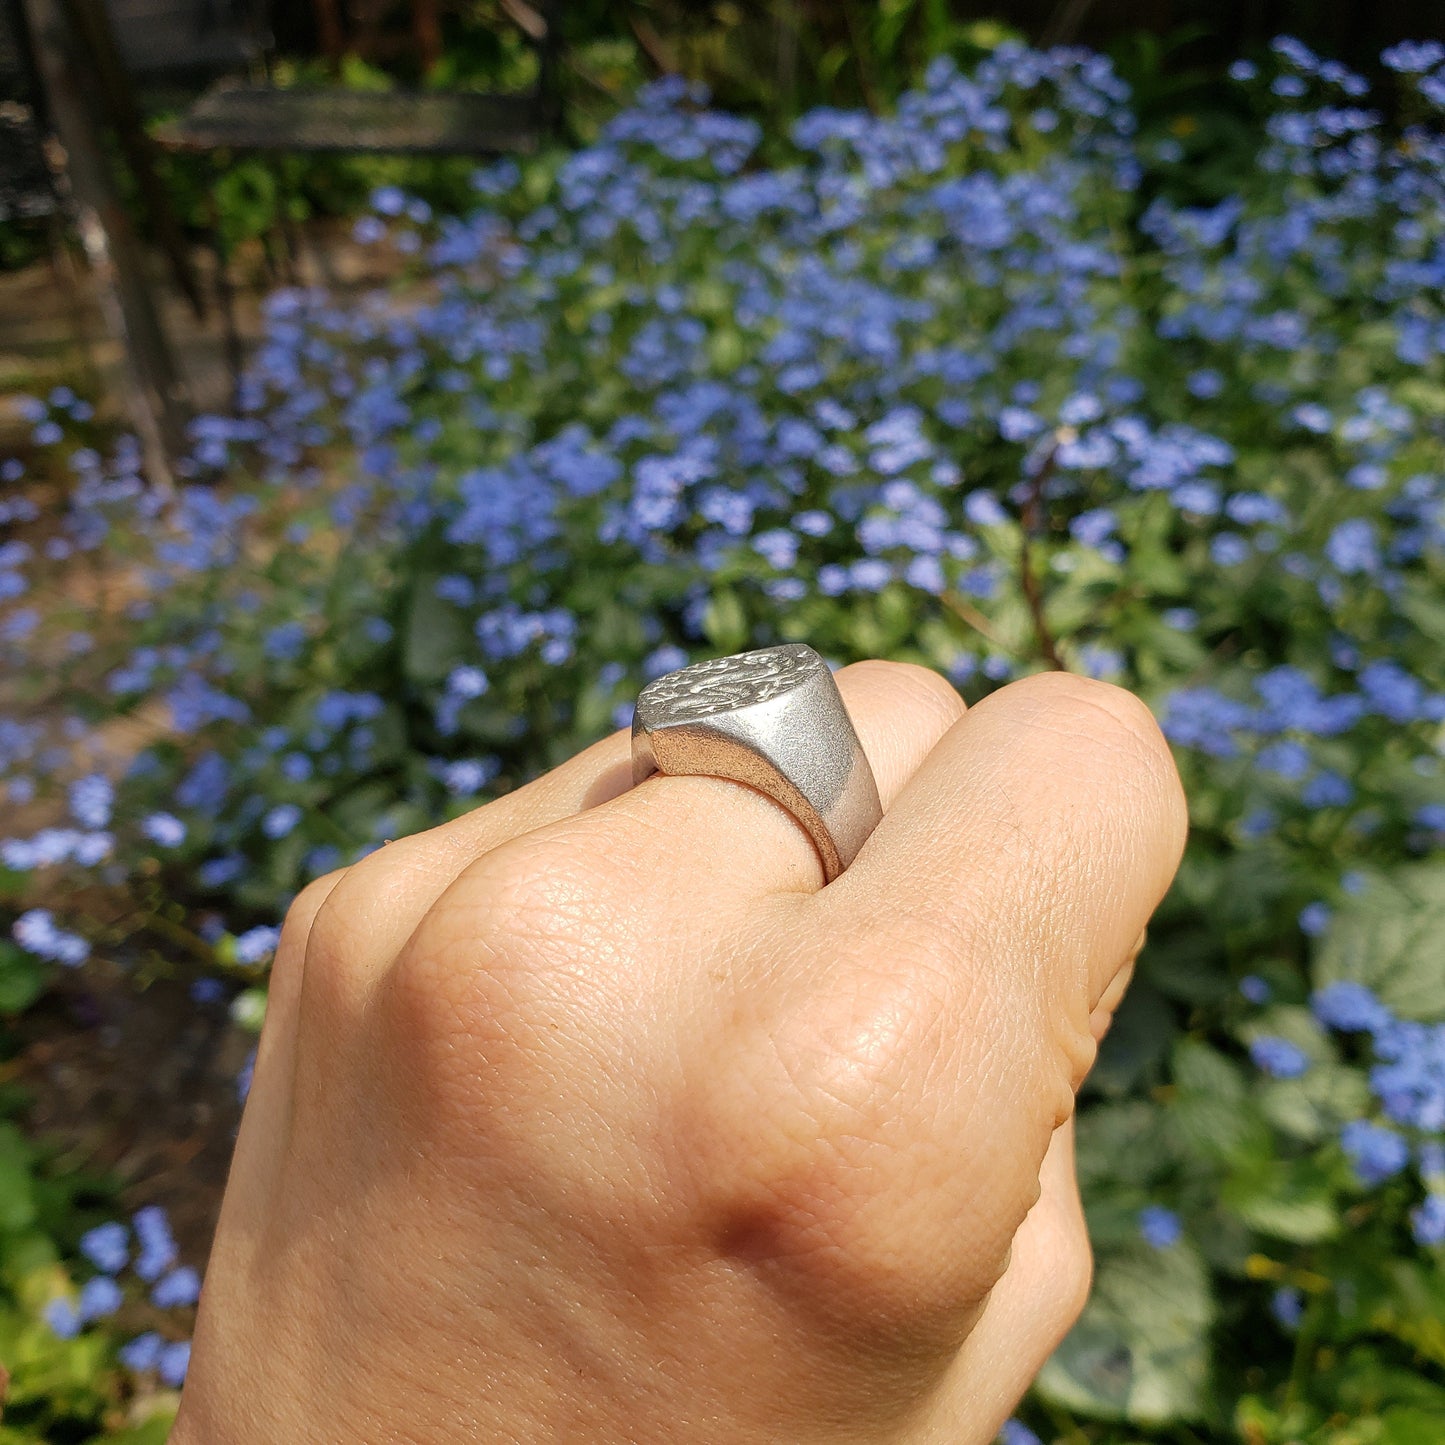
(773, 719)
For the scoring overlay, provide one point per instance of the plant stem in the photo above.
(1033, 592)
(970, 614)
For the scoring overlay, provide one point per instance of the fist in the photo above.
(594, 1116)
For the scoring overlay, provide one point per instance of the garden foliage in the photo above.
(959, 385)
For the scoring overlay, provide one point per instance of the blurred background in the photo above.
(217, 180)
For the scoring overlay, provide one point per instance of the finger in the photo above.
(371, 912)
(990, 911)
(366, 912)
(1029, 1311)
(266, 1117)
(1101, 1018)
(673, 842)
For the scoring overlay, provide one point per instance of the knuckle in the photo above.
(815, 1168)
(512, 933)
(911, 687)
(371, 891)
(301, 915)
(298, 926)
(1118, 723)
(541, 893)
(1071, 1274)
(1098, 708)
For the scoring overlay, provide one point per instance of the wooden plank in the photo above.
(394, 122)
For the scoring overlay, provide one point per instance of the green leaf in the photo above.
(725, 622)
(1120, 1143)
(1412, 1427)
(22, 978)
(1288, 1199)
(1413, 1309)
(1313, 1107)
(1137, 1041)
(17, 1194)
(1388, 937)
(1212, 1111)
(437, 635)
(1140, 1352)
(154, 1431)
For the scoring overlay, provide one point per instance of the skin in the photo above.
(593, 1116)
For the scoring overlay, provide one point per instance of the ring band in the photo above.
(773, 719)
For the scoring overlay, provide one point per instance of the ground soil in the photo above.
(138, 1086)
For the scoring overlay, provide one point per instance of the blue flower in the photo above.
(207, 990)
(179, 1288)
(1327, 790)
(280, 820)
(257, 944)
(173, 1362)
(142, 1353)
(467, 682)
(1094, 526)
(1287, 759)
(37, 933)
(1255, 989)
(1353, 547)
(388, 200)
(91, 800)
(164, 829)
(1015, 1432)
(1287, 1305)
(62, 1317)
(1314, 918)
(984, 509)
(100, 1296)
(1279, 1058)
(466, 777)
(1427, 1223)
(1377, 1153)
(1414, 57)
(107, 1246)
(1228, 549)
(1398, 695)
(1160, 1227)
(217, 872)
(1349, 1007)
(667, 658)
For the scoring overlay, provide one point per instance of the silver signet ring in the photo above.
(773, 719)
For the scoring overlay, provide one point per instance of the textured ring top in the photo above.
(775, 720)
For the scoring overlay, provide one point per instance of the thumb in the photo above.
(992, 912)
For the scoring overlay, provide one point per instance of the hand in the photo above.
(592, 1116)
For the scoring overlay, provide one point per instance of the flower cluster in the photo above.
(1407, 1079)
(148, 1250)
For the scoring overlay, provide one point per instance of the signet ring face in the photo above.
(775, 720)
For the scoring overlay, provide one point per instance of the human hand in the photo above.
(592, 1116)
